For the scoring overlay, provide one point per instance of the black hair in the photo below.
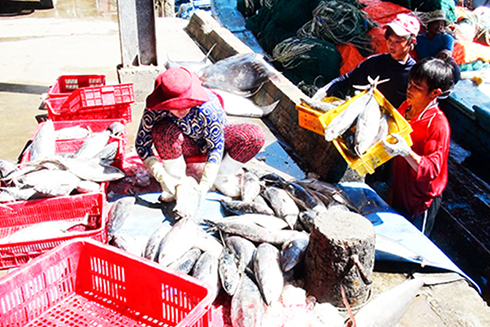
(437, 73)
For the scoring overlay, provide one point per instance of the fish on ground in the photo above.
(238, 105)
(178, 241)
(268, 273)
(131, 244)
(266, 221)
(187, 198)
(282, 204)
(242, 74)
(206, 270)
(247, 305)
(152, 247)
(293, 251)
(193, 66)
(208, 243)
(229, 272)
(185, 263)
(248, 230)
(251, 187)
(118, 214)
(243, 250)
(237, 207)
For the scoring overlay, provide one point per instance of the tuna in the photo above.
(293, 251)
(229, 272)
(185, 263)
(268, 273)
(247, 306)
(118, 214)
(282, 204)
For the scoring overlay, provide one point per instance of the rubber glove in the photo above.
(400, 148)
(188, 197)
(156, 168)
(208, 177)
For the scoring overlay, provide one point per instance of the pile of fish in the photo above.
(45, 173)
(251, 254)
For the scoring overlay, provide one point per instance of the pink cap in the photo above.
(405, 25)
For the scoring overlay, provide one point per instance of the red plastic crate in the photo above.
(85, 283)
(72, 145)
(17, 215)
(107, 95)
(66, 84)
(57, 113)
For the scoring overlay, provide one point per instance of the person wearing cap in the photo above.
(400, 35)
(181, 119)
(420, 171)
(435, 40)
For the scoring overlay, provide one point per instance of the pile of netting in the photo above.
(307, 62)
(429, 5)
(301, 35)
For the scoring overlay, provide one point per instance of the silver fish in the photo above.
(251, 187)
(18, 193)
(367, 126)
(240, 207)
(243, 250)
(304, 198)
(247, 305)
(178, 241)
(237, 105)
(187, 261)
(329, 190)
(241, 74)
(131, 244)
(383, 128)
(321, 105)
(51, 182)
(108, 153)
(206, 270)
(266, 221)
(92, 145)
(187, 198)
(229, 273)
(44, 143)
(73, 132)
(388, 248)
(6, 197)
(153, 245)
(248, 230)
(87, 186)
(193, 66)
(118, 214)
(92, 171)
(293, 251)
(44, 230)
(344, 120)
(6, 168)
(208, 243)
(268, 273)
(283, 205)
(116, 128)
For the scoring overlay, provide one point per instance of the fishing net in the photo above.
(307, 62)
(340, 22)
(430, 5)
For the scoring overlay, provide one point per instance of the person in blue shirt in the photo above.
(184, 119)
(435, 40)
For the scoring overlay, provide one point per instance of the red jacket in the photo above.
(414, 191)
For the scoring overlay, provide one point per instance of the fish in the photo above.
(238, 105)
(50, 183)
(293, 251)
(118, 214)
(87, 187)
(345, 119)
(116, 128)
(304, 198)
(47, 230)
(206, 270)
(92, 171)
(131, 244)
(390, 249)
(208, 243)
(43, 145)
(187, 198)
(177, 241)
(92, 145)
(242, 74)
(248, 230)
(243, 250)
(152, 248)
(251, 187)
(383, 128)
(229, 273)
(283, 205)
(108, 153)
(367, 126)
(266, 221)
(73, 132)
(331, 191)
(307, 219)
(185, 263)
(16, 193)
(268, 273)
(247, 305)
(6, 168)
(321, 105)
(237, 207)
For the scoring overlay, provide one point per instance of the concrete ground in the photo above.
(36, 49)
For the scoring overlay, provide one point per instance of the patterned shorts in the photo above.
(242, 141)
